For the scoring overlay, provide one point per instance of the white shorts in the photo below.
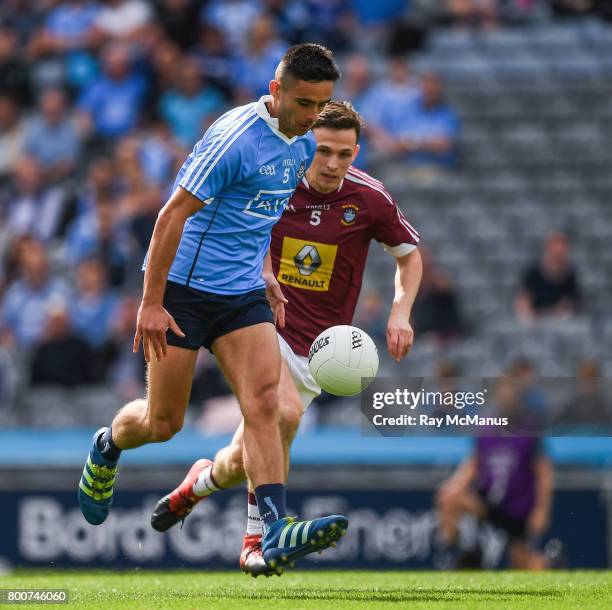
(307, 387)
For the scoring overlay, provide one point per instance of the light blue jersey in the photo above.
(245, 171)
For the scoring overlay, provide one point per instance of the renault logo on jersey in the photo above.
(306, 264)
(307, 260)
(349, 213)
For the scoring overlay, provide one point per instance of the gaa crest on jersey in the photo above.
(301, 171)
(349, 214)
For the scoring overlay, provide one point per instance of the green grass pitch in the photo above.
(322, 589)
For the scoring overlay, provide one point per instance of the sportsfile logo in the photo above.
(316, 346)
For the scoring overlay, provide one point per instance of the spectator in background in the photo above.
(233, 18)
(291, 19)
(591, 405)
(63, 48)
(330, 23)
(11, 259)
(52, 138)
(522, 370)
(190, 107)
(436, 309)
(159, 155)
(549, 287)
(216, 58)
(101, 183)
(395, 96)
(142, 220)
(21, 18)
(68, 27)
(110, 106)
(142, 191)
(29, 299)
(356, 85)
(62, 358)
(378, 13)
(177, 18)
(14, 71)
(565, 8)
(262, 55)
(94, 307)
(35, 207)
(423, 131)
(473, 13)
(126, 373)
(127, 20)
(98, 234)
(370, 315)
(12, 135)
(165, 58)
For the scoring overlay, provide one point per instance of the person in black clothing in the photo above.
(62, 358)
(436, 310)
(550, 287)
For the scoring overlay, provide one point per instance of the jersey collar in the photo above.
(262, 112)
(307, 185)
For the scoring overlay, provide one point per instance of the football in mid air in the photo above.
(340, 357)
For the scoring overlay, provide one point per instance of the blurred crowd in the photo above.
(100, 102)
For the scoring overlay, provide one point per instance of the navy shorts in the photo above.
(515, 527)
(205, 316)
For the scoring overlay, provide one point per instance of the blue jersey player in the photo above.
(203, 286)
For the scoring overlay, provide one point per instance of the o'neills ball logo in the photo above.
(316, 346)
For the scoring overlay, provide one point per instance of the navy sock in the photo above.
(271, 503)
(107, 447)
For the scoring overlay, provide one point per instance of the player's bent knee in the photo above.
(262, 406)
(290, 418)
(163, 430)
(236, 459)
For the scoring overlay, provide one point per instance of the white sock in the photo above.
(205, 484)
(254, 522)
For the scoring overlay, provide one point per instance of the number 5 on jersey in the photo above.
(315, 217)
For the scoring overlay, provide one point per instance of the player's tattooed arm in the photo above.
(273, 292)
(400, 335)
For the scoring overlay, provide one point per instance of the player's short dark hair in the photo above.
(310, 62)
(340, 115)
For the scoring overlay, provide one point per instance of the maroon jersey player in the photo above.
(318, 254)
(320, 246)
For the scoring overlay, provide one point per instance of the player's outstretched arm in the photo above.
(400, 335)
(153, 320)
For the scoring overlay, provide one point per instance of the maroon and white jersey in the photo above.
(319, 249)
